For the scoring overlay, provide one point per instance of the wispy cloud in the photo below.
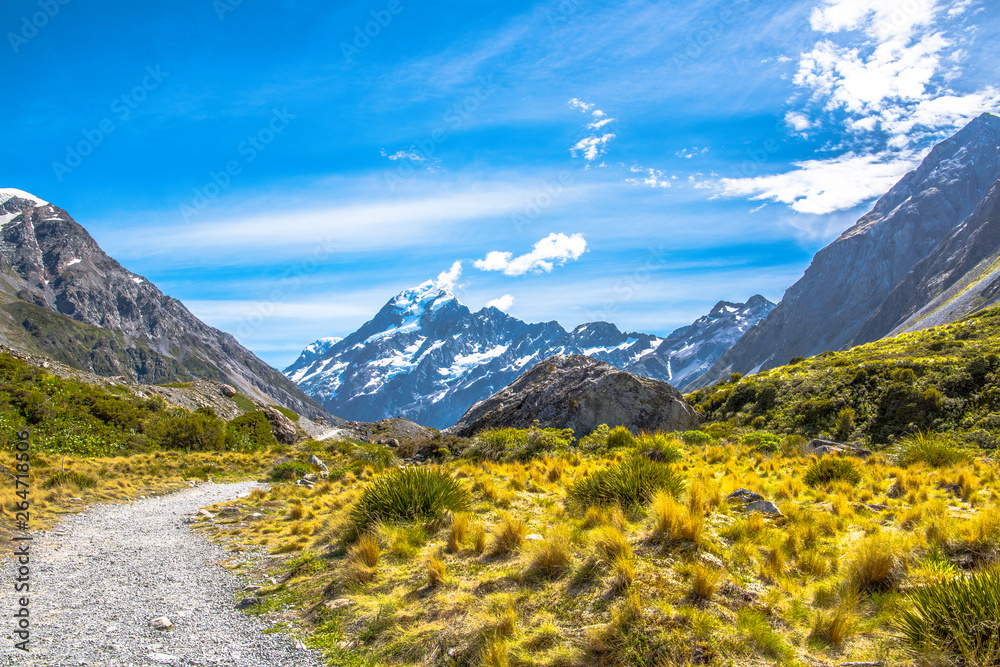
(552, 250)
(403, 155)
(824, 186)
(654, 178)
(595, 144)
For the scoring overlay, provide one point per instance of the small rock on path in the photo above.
(96, 588)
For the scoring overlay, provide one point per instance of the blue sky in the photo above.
(284, 174)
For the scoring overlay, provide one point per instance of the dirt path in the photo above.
(114, 568)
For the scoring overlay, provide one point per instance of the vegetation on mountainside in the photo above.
(72, 417)
(945, 380)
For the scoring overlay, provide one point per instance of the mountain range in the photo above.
(928, 253)
(62, 296)
(427, 357)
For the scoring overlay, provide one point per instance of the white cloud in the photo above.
(592, 147)
(447, 279)
(403, 155)
(654, 178)
(798, 121)
(595, 145)
(688, 153)
(503, 303)
(553, 249)
(824, 186)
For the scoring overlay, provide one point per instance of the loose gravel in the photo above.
(102, 576)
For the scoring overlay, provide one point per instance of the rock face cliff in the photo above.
(581, 393)
(860, 288)
(61, 295)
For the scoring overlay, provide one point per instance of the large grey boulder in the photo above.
(282, 426)
(577, 392)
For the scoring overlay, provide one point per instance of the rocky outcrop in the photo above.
(577, 392)
(282, 427)
(61, 295)
(836, 304)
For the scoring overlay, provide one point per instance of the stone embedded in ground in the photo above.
(228, 390)
(392, 442)
(163, 658)
(745, 495)
(318, 462)
(246, 603)
(161, 623)
(824, 447)
(338, 604)
(205, 513)
(764, 507)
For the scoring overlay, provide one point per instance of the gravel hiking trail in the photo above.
(97, 584)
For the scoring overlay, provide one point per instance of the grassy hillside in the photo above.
(945, 379)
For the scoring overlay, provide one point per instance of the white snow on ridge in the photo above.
(8, 193)
(466, 362)
(73, 263)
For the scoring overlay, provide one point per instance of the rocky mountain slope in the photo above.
(577, 392)
(922, 238)
(62, 296)
(425, 356)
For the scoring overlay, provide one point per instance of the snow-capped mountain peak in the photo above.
(425, 356)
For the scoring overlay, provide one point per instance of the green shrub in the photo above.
(250, 432)
(69, 477)
(955, 621)
(515, 444)
(197, 431)
(596, 440)
(762, 442)
(495, 444)
(630, 483)
(936, 451)
(620, 437)
(832, 469)
(378, 457)
(695, 438)
(659, 447)
(407, 494)
(290, 471)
